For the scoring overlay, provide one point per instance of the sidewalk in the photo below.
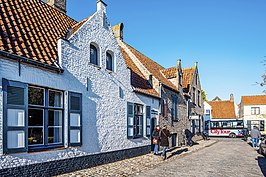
(137, 164)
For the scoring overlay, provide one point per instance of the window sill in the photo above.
(44, 149)
(109, 71)
(97, 66)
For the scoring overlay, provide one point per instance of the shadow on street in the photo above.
(177, 152)
(262, 165)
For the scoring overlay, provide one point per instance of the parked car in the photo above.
(262, 149)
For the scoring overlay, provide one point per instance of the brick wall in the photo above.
(73, 164)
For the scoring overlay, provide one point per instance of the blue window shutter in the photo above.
(130, 120)
(75, 112)
(148, 121)
(15, 98)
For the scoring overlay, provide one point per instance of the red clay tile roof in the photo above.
(31, 28)
(254, 100)
(153, 67)
(170, 73)
(138, 80)
(187, 74)
(222, 109)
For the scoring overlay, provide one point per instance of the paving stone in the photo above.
(136, 165)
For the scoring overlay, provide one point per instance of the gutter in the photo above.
(30, 61)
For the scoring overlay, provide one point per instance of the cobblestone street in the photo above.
(227, 157)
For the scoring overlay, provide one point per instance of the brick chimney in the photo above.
(58, 4)
(118, 31)
(232, 97)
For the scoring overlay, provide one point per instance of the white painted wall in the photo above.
(104, 120)
(248, 115)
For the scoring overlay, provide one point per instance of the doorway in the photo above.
(153, 125)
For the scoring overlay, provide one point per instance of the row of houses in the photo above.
(252, 110)
(75, 94)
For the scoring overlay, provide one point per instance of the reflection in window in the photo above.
(36, 96)
(35, 126)
(109, 61)
(138, 120)
(55, 99)
(45, 117)
(93, 55)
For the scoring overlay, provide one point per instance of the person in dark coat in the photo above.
(189, 136)
(164, 134)
(155, 136)
(245, 133)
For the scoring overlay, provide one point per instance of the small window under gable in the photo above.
(93, 55)
(109, 61)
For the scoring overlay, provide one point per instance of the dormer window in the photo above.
(93, 55)
(109, 62)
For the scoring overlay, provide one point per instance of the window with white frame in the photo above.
(208, 112)
(255, 110)
(109, 62)
(94, 55)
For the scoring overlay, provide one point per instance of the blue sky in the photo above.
(226, 37)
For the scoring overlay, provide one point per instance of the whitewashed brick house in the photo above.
(66, 92)
(253, 111)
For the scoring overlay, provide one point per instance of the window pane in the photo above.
(55, 99)
(35, 117)
(93, 55)
(15, 139)
(15, 95)
(55, 118)
(35, 136)
(36, 96)
(55, 135)
(109, 62)
(74, 136)
(74, 103)
(15, 117)
(74, 119)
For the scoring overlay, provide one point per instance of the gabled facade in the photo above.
(172, 102)
(66, 91)
(253, 111)
(188, 80)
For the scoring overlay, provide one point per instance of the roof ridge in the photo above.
(56, 9)
(253, 95)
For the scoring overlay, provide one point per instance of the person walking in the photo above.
(164, 134)
(189, 136)
(245, 133)
(255, 136)
(155, 140)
